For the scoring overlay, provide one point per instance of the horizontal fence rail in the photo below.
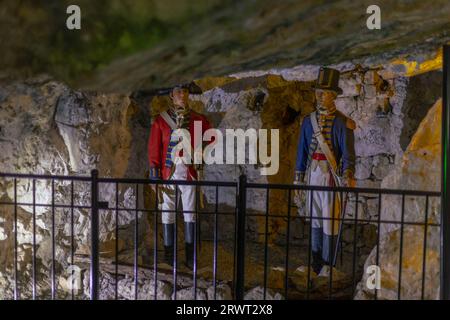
(258, 242)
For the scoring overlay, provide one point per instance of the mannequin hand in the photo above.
(298, 193)
(352, 183)
(299, 181)
(154, 174)
(348, 179)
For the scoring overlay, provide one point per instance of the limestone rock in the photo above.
(418, 170)
(382, 166)
(188, 294)
(46, 128)
(300, 278)
(396, 101)
(258, 294)
(223, 292)
(412, 266)
(363, 168)
(361, 205)
(126, 288)
(346, 105)
(371, 77)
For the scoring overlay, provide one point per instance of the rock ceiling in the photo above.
(258, 35)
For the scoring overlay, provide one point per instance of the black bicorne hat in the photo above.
(192, 87)
(328, 79)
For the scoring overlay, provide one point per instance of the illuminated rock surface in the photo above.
(419, 169)
(47, 128)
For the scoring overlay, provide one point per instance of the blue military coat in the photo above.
(342, 141)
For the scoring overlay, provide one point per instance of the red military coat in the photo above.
(159, 141)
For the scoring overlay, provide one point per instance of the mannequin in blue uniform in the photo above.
(313, 168)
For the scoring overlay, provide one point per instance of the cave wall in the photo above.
(419, 169)
(48, 128)
(372, 97)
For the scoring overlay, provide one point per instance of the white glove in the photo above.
(299, 178)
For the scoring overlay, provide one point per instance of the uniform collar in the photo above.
(326, 111)
(179, 115)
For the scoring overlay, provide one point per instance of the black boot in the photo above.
(189, 233)
(317, 262)
(189, 251)
(168, 231)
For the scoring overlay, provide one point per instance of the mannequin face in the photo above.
(325, 97)
(179, 97)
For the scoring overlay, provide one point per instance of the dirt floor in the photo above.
(218, 263)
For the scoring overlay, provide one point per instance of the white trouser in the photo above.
(322, 201)
(186, 192)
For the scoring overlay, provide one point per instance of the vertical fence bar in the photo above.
(424, 258)
(34, 239)
(216, 238)
(155, 245)
(308, 285)
(236, 209)
(355, 235)
(53, 270)
(445, 181)
(331, 247)
(240, 239)
(377, 262)
(16, 295)
(116, 253)
(72, 237)
(175, 246)
(94, 236)
(288, 229)
(194, 271)
(266, 249)
(402, 227)
(136, 243)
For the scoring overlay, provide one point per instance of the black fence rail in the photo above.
(266, 259)
(352, 224)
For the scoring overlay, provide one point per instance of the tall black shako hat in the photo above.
(328, 79)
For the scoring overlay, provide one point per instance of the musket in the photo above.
(202, 206)
(341, 220)
(201, 196)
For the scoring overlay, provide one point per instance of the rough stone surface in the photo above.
(281, 37)
(146, 290)
(223, 292)
(188, 294)
(258, 294)
(418, 170)
(47, 128)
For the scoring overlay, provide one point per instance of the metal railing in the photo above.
(246, 261)
(352, 223)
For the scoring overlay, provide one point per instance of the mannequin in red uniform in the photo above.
(163, 166)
